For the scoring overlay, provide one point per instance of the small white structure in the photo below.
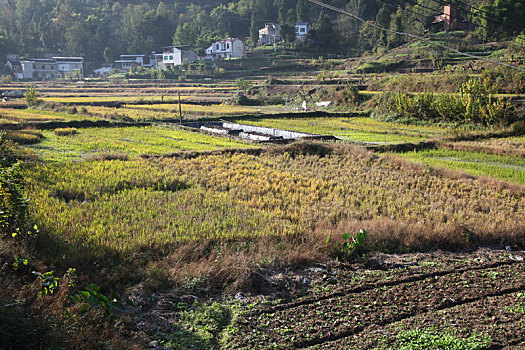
(104, 70)
(39, 68)
(226, 49)
(70, 65)
(301, 30)
(176, 55)
(269, 34)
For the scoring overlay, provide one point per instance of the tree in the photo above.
(302, 10)
(382, 20)
(287, 29)
(108, 55)
(396, 24)
(325, 33)
(254, 30)
(243, 85)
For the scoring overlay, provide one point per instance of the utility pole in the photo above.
(180, 110)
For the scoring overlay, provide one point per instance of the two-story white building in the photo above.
(301, 30)
(126, 62)
(176, 55)
(39, 68)
(269, 34)
(70, 65)
(225, 49)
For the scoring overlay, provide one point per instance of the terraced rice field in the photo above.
(499, 146)
(363, 130)
(504, 167)
(131, 141)
(23, 116)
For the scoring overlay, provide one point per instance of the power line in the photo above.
(482, 14)
(420, 5)
(330, 7)
(404, 9)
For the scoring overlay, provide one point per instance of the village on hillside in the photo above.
(54, 65)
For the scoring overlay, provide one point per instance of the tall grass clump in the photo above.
(65, 131)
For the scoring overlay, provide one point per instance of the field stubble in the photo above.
(279, 206)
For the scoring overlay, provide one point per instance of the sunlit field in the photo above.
(131, 141)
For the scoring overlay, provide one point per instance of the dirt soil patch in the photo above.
(363, 306)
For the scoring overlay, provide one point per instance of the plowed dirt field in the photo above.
(366, 306)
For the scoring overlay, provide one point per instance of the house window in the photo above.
(165, 58)
(302, 30)
(228, 46)
(171, 58)
(217, 46)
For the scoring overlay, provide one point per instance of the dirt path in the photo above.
(364, 308)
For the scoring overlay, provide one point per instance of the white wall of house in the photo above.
(301, 30)
(39, 68)
(225, 49)
(70, 65)
(176, 56)
(269, 34)
(126, 62)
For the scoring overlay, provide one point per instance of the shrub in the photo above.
(472, 105)
(31, 95)
(6, 79)
(349, 96)
(65, 131)
(14, 216)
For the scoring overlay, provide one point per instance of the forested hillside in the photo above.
(101, 30)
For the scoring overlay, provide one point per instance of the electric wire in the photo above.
(333, 8)
(481, 13)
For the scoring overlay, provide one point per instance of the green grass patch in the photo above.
(199, 327)
(130, 140)
(433, 339)
(508, 168)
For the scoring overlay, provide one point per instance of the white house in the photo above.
(39, 68)
(269, 34)
(126, 62)
(301, 30)
(176, 55)
(70, 65)
(226, 49)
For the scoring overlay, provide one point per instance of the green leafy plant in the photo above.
(94, 298)
(48, 281)
(432, 338)
(19, 261)
(354, 242)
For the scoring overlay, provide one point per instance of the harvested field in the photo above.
(510, 146)
(470, 296)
